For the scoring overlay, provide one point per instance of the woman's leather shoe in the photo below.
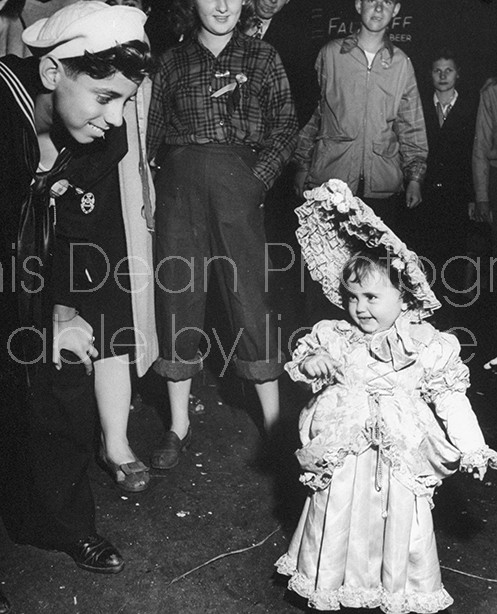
(95, 553)
(4, 604)
(166, 456)
(130, 477)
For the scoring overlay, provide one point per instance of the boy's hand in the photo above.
(483, 212)
(413, 194)
(318, 366)
(74, 335)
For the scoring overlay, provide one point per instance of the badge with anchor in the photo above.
(87, 203)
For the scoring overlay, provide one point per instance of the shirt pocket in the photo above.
(191, 104)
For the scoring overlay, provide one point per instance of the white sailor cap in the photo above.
(85, 26)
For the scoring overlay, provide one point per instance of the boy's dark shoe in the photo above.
(96, 554)
(93, 553)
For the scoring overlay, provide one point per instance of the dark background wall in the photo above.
(469, 27)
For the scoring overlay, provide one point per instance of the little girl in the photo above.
(389, 422)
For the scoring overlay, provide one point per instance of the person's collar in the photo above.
(235, 40)
(451, 102)
(265, 24)
(352, 41)
(27, 71)
(22, 77)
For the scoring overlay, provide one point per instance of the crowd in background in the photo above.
(435, 186)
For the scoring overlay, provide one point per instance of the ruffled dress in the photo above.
(377, 439)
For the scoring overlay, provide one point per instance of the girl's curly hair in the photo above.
(13, 8)
(366, 262)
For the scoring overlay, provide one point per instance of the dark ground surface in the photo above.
(222, 499)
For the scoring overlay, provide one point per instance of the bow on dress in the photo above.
(395, 345)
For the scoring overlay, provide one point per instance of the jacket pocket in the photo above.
(332, 158)
(386, 173)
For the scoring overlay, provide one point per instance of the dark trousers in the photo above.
(61, 417)
(49, 502)
(46, 432)
(210, 216)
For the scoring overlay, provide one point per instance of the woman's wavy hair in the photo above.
(184, 21)
(133, 59)
(13, 8)
(445, 54)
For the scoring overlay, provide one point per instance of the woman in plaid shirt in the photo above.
(223, 121)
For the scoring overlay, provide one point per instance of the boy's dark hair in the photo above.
(364, 263)
(184, 20)
(445, 54)
(133, 59)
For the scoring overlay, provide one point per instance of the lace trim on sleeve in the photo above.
(483, 457)
(449, 374)
(313, 344)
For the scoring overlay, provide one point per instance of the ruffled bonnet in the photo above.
(334, 225)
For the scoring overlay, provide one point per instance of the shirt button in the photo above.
(221, 123)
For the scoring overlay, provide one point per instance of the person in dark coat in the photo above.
(276, 24)
(62, 113)
(448, 191)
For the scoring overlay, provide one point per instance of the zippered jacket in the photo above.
(485, 144)
(369, 121)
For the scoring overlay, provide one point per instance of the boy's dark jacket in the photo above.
(28, 228)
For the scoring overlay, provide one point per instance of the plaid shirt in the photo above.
(258, 113)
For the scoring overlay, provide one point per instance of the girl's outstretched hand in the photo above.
(479, 472)
(491, 364)
(318, 366)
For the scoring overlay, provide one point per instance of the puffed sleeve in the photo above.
(323, 339)
(445, 383)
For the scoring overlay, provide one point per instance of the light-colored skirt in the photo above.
(362, 547)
